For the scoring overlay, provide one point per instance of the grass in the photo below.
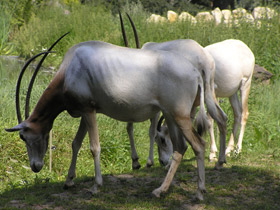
(248, 181)
(96, 23)
(5, 29)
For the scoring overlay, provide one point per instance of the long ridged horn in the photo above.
(19, 82)
(134, 31)
(27, 101)
(159, 123)
(123, 31)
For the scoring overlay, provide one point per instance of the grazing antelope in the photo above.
(205, 64)
(234, 69)
(129, 85)
(235, 64)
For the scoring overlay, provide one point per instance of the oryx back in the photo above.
(126, 84)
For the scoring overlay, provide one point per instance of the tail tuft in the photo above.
(201, 122)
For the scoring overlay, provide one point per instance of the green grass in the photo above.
(248, 181)
(5, 29)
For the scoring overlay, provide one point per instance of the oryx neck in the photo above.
(50, 104)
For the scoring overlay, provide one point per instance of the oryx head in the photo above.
(33, 131)
(36, 142)
(165, 148)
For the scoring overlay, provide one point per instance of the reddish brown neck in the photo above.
(50, 105)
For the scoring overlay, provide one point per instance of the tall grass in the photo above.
(87, 22)
(5, 29)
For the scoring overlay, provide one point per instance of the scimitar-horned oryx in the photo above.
(235, 64)
(205, 64)
(234, 69)
(130, 85)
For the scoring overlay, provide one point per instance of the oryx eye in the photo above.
(22, 137)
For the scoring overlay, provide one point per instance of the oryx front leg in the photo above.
(237, 112)
(134, 155)
(76, 145)
(176, 160)
(198, 146)
(244, 94)
(152, 135)
(91, 123)
(179, 148)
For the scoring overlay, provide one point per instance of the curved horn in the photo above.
(19, 82)
(135, 32)
(27, 101)
(123, 31)
(159, 123)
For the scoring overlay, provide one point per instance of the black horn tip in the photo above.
(16, 128)
(123, 30)
(134, 31)
(160, 122)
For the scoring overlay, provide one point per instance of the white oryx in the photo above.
(130, 85)
(205, 64)
(235, 64)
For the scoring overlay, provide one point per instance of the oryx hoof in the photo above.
(219, 165)
(237, 151)
(168, 165)
(93, 191)
(157, 192)
(212, 157)
(199, 194)
(229, 150)
(136, 165)
(149, 164)
(228, 153)
(68, 184)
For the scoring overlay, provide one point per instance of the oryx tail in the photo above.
(201, 121)
(215, 110)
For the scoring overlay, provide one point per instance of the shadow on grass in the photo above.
(237, 187)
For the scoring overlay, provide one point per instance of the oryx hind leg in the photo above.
(222, 125)
(91, 124)
(134, 155)
(216, 112)
(76, 145)
(237, 112)
(244, 94)
(198, 146)
(213, 146)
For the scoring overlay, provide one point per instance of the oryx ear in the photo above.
(16, 128)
